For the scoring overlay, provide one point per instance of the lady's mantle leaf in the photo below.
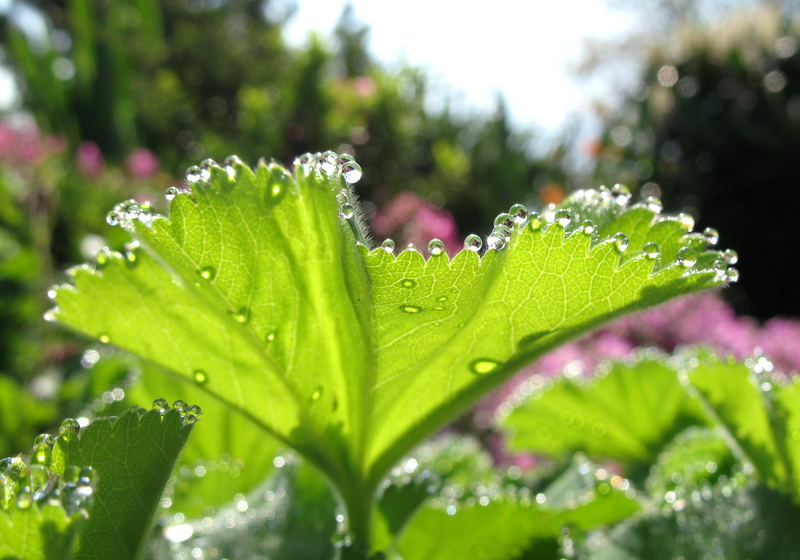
(255, 288)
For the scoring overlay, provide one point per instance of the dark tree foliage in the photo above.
(716, 126)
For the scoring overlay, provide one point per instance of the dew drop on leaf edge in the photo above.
(473, 242)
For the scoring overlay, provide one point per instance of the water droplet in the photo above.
(686, 221)
(341, 159)
(687, 257)
(621, 242)
(171, 193)
(351, 172)
(563, 217)
(731, 257)
(442, 299)
(69, 428)
(42, 454)
(200, 377)
(161, 405)
(621, 194)
(38, 477)
(49, 316)
(388, 246)
(711, 236)
(230, 164)
(653, 203)
(347, 211)
(43, 439)
(651, 250)
(208, 163)
(504, 219)
(733, 275)
(112, 218)
(588, 227)
(24, 499)
(483, 366)
(270, 336)
(410, 308)
(473, 242)
(188, 419)
(242, 315)
(103, 338)
(520, 214)
(496, 240)
(193, 174)
(534, 221)
(87, 475)
(179, 404)
(207, 272)
(435, 247)
(327, 163)
(408, 283)
(315, 396)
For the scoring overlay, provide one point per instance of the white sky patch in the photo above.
(525, 50)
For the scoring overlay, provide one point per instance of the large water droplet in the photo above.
(506, 220)
(200, 377)
(230, 164)
(112, 218)
(621, 242)
(207, 273)
(347, 211)
(161, 405)
(351, 172)
(406, 308)
(686, 221)
(388, 246)
(194, 174)
(731, 257)
(435, 247)
(563, 217)
(651, 250)
(483, 366)
(732, 275)
(687, 257)
(588, 227)
(69, 428)
(473, 242)
(520, 213)
(496, 240)
(408, 283)
(620, 194)
(653, 204)
(534, 221)
(24, 499)
(711, 236)
(327, 163)
(179, 404)
(171, 193)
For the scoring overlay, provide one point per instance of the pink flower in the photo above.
(141, 163)
(409, 218)
(90, 160)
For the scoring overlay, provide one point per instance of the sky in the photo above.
(527, 50)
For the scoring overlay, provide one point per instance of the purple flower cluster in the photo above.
(25, 145)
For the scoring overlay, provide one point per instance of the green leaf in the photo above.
(132, 457)
(256, 288)
(515, 524)
(627, 414)
(228, 453)
(37, 533)
(760, 414)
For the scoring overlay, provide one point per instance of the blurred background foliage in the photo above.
(117, 98)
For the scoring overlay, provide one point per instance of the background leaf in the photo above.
(132, 457)
(37, 533)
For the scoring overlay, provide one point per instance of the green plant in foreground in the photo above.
(262, 289)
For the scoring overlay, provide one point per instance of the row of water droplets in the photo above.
(25, 484)
(189, 413)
